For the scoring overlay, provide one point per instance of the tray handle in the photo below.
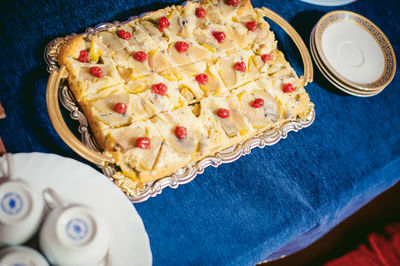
(61, 127)
(305, 55)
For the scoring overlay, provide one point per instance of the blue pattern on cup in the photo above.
(11, 203)
(77, 229)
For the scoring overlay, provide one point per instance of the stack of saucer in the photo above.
(353, 53)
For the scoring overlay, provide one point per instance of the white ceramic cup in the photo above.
(20, 255)
(73, 234)
(21, 210)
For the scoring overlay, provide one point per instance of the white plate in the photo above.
(77, 182)
(355, 50)
(338, 85)
(332, 79)
(329, 2)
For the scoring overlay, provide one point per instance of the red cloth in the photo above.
(383, 251)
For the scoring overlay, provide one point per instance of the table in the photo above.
(268, 204)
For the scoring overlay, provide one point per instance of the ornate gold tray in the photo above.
(58, 91)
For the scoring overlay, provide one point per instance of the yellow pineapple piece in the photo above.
(95, 52)
(172, 75)
(128, 171)
(208, 47)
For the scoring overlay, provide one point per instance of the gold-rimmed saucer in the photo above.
(333, 80)
(354, 50)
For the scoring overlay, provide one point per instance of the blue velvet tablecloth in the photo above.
(270, 203)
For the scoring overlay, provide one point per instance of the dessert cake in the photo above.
(181, 83)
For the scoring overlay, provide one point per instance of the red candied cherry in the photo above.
(202, 78)
(223, 113)
(96, 71)
(219, 36)
(232, 2)
(120, 108)
(240, 66)
(251, 25)
(200, 12)
(181, 47)
(140, 56)
(83, 56)
(126, 35)
(143, 143)
(163, 23)
(257, 103)
(288, 88)
(180, 132)
(160, 89)
(266, 57)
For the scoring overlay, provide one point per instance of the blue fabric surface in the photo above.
(270, 203)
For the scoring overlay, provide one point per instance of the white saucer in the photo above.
(355, 50)
(329, 2)
(77, 182)
(332, 79)
(336, 83)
